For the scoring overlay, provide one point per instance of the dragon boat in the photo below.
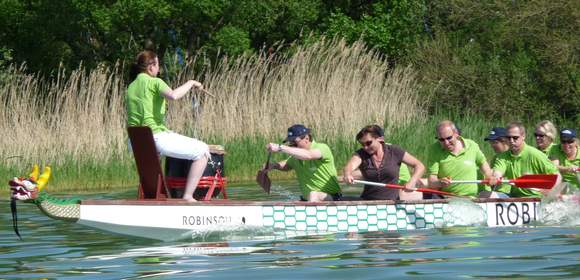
(173, 219)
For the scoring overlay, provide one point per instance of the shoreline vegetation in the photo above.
(76, 123)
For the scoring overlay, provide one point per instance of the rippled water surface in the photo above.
(55, 249)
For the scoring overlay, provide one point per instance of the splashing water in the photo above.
(561, 206)
(284, 193)
(463, 212)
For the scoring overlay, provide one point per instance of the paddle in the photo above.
(262, 176)
(402, 187)
(536, 181)
(206, 92)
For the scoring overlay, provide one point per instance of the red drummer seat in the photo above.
(152, 183)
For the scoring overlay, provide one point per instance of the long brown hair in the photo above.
(143, 60)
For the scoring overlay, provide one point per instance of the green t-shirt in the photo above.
(462, 166)
(404, 174)
(145, 103)
(504, 188)
(529, 161)
(548, 150)
(569, 177)
(316, 175)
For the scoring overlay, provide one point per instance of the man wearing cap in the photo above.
(455, 158)
(313, 163)
(567, 158)
(520, 160)
(499, 143)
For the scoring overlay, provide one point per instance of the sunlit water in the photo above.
(58, 250)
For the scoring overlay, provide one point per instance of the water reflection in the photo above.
(54, 249)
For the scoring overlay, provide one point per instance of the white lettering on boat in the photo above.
(206, 220)
(515, 213)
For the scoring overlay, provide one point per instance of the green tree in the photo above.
(503, 59)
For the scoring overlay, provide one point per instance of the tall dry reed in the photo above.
(328, 86)
(78, 120)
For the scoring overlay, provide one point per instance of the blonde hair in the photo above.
(518, 125)
(548, 128)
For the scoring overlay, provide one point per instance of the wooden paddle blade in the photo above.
(537, 181)
(263, 180)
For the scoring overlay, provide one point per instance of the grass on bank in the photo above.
(246, 155)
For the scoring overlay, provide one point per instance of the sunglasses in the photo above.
(567, 141)
(515, 138)
(539, 135)
(444, 139)
(367, 143)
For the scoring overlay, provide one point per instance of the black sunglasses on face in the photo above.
(538, 135)
(515, 138)
(366, 144)
(445, 138)
(567, 141)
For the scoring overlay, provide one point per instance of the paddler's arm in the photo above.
(351, 166)
(436, 183)
(488, 173)
(180, 91)
(418, 170)
(563, 169)
(298, 153)
(281, 165)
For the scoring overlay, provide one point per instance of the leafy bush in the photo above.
(503, 59)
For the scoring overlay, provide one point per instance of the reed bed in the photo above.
(331, 87)
(76, 122)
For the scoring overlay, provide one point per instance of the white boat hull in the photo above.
(173, 219)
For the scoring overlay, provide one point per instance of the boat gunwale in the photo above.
(223, 202)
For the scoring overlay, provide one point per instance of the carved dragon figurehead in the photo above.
(32, 189)
(26, 189)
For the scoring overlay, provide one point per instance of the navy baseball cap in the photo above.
(496, 133)
(295, 131)
(568, 133)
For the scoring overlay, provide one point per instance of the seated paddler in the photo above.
(455, 158)
(382, 163)
(522, 159)
(312, 161)
(567, 158)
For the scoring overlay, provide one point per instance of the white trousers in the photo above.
(169, 143)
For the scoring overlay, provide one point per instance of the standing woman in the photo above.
(545, 134)
(567, 158)
(380, 162)
(146, 106)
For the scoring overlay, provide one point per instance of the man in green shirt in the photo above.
(455, 158)
(520, 160)
(567, 158)
(313, 163)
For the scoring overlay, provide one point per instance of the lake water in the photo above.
(57, 250)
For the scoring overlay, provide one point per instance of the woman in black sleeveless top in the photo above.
(380, 162)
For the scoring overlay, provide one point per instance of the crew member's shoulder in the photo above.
(470, 143)
(534, 152)
(318, 145)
